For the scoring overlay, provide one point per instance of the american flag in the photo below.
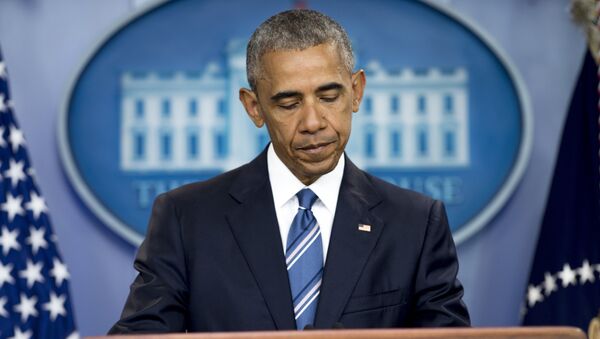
(34, 281)
(564, 285)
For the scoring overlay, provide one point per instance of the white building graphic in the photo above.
(194, 120)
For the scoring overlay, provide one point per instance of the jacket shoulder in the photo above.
(211, 190)
(399, 197)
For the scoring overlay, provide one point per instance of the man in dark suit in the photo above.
(299, 236)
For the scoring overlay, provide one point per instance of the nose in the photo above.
(313, 119)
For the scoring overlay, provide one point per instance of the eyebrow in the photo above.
(330, 86)
(285, 95)
(292, 94)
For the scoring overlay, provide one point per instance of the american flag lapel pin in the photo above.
(364, 227)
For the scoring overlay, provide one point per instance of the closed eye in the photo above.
(330, 98)
(289, 106)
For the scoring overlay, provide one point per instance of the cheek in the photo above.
(343, 125)
(282, 132)
(340, 118)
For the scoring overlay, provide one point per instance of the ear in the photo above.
(359, 82)
(250, 102)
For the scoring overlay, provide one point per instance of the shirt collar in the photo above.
(327, 187)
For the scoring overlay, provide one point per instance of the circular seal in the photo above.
(154, 106)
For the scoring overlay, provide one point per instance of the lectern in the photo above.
(452, 333)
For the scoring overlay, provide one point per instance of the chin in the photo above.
(320, 169)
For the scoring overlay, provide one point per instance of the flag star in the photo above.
(534, 295)
(3, 104)
(56, 306)
(59, 272)
(37, 205)
(522, 311)
(567, 275)
(2, 140)
(586, 272)
(5, 275)
(27, 307)
(36, 239)
(3, 70)
(3, 311)
(15, 172)
(8, 240)
(12, 206)
(21, 335)
(16, 138)
(33, 273)
(549, 284)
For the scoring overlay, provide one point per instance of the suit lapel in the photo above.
(254, 225)
(349, 247)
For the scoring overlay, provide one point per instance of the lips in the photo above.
(315, 148)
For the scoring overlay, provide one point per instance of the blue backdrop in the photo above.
(45, 42)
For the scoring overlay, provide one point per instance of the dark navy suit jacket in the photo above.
(212, 260)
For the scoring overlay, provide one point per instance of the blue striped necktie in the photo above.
(304, 259)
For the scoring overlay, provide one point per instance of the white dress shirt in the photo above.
(285, 186)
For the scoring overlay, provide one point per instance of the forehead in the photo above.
(302, 69)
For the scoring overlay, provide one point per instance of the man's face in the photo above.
(306, 99)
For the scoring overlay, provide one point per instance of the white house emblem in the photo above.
(147, 115)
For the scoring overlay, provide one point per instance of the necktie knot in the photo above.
(306, 198)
